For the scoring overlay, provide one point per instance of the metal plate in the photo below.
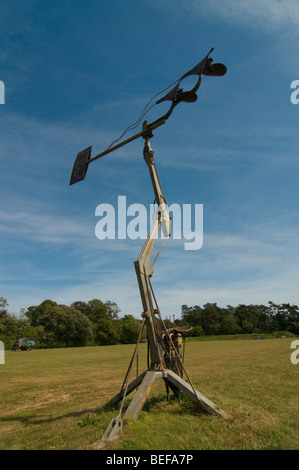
(215, 70)
(80, 166)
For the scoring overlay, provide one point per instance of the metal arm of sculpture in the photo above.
(143, 266)
(176, 95)
(171, 372)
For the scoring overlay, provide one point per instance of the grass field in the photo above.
(57, 399)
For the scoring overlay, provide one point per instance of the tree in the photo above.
(12, 328)
(285, 317)
(107, 332)
(3, 302)
(212, 316)
(196, 331)
(34, 313)
(3, 310)
(192, 315)
(130, 329)
(247, 318)
(63, 326)
(97, 310)
(229, 325)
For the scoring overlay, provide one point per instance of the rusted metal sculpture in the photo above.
(166, 361)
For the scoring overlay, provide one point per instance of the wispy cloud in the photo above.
(268, 14)
(229, 269)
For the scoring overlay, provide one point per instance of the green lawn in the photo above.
(57, 399)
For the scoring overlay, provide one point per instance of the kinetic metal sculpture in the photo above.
(166, 360)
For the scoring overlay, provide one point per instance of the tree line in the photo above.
(98, 323)
(214, 320)
(80, 324)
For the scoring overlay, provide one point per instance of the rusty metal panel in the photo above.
(80, 166)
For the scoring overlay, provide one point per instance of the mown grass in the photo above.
(58, 399)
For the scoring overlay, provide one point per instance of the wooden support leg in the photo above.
(206, 404)
(141, 395)
(134, 384)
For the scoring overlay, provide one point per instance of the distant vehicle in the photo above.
(24, 344)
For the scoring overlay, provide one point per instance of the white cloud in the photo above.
(268, 14)
(229, 269)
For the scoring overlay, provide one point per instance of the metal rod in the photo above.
(134, 353)
(129, 370)
(158, 252)
(150, 127)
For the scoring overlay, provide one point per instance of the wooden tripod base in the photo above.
(146, 381)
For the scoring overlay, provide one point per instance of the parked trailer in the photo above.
(24, 344)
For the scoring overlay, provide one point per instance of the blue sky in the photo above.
(77, 74)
